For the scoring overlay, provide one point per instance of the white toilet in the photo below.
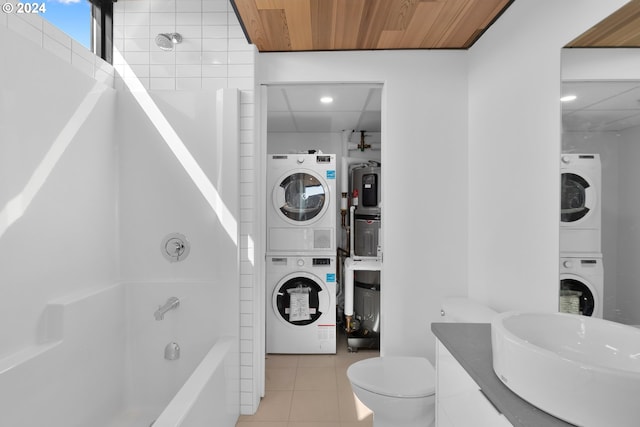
(399, 390)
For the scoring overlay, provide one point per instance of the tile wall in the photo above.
(33, 27)
(214, 54)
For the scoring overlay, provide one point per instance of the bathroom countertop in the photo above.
(470, 344)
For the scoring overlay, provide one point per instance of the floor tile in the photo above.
(314, 405)
(280, 378)
(274, 406)
(263, 424)
(310, 378)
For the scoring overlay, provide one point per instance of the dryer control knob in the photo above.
(300, 262)
(565, 159)
(300, 160)
(567, 264)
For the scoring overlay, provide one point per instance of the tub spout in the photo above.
(171, 304)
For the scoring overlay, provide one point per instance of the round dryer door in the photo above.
(577, 296)
(578, 198)
(301, 197)
(300, 299)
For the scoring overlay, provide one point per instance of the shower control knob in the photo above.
(300, 262)
(567, 264)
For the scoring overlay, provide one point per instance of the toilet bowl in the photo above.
(400, 391)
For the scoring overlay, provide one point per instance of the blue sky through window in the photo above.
(71, 16)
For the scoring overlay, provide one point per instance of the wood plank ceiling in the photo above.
(304, 25)
(620, 29)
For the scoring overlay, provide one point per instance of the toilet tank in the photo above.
(465, 310)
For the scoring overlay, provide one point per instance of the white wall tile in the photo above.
(214, 18)
(163, 70)
(188, 18)
(137, 5)
(141, 70)
(57, 49)
(240, 45)
(135, 31)
(159, 83)
(190, 31)
(162, 57)
(32, 19)
(214, 31)
(136, 57)
(215, 58)
(163, 6)
(136, 45)
(188, 57)
(162, 19)
(190, 45)
(210, 45)
(188, 83)
(241, 70)
(214, 83)
(81, 63)
(245, 57)
(189, 6)
(215, 6)
(25, 29)
(56, 34)
(188, 70)
(218, 71)
(137, 18)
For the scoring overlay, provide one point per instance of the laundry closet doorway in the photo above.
(340, 119)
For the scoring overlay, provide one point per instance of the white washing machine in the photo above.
(301, 304)
(301, 191)
(580, 210)
(581, 284)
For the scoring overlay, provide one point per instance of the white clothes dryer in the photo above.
(301, 304)
(581, 284)
(301, 191)
(580, 210)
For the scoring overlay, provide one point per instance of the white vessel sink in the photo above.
(583, 370)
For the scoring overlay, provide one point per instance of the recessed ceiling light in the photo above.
(568, 98)
(326, 100)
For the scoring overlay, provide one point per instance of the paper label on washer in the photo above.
(299, 306)
(331, 277)
(331, 174)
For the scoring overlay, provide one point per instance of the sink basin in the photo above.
(583, 370)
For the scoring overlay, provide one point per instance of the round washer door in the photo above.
(301, 197)
(578, 198)
(578, 296)
(300, 299)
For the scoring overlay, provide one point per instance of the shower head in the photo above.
(166, 41)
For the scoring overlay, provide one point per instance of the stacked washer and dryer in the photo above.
(581, 268)
(301, 254)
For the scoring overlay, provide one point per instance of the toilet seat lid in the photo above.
(394, 376)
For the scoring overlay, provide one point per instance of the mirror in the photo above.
(600, 218)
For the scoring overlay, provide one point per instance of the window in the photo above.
(89, 22)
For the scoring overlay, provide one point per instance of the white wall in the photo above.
(514, 147)
(157, 195)
(425, 178)
(57, 185)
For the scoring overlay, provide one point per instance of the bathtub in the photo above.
(99, 360)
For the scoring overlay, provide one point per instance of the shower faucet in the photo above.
(171, 304)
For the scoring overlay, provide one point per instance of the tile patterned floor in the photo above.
(310, 391)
